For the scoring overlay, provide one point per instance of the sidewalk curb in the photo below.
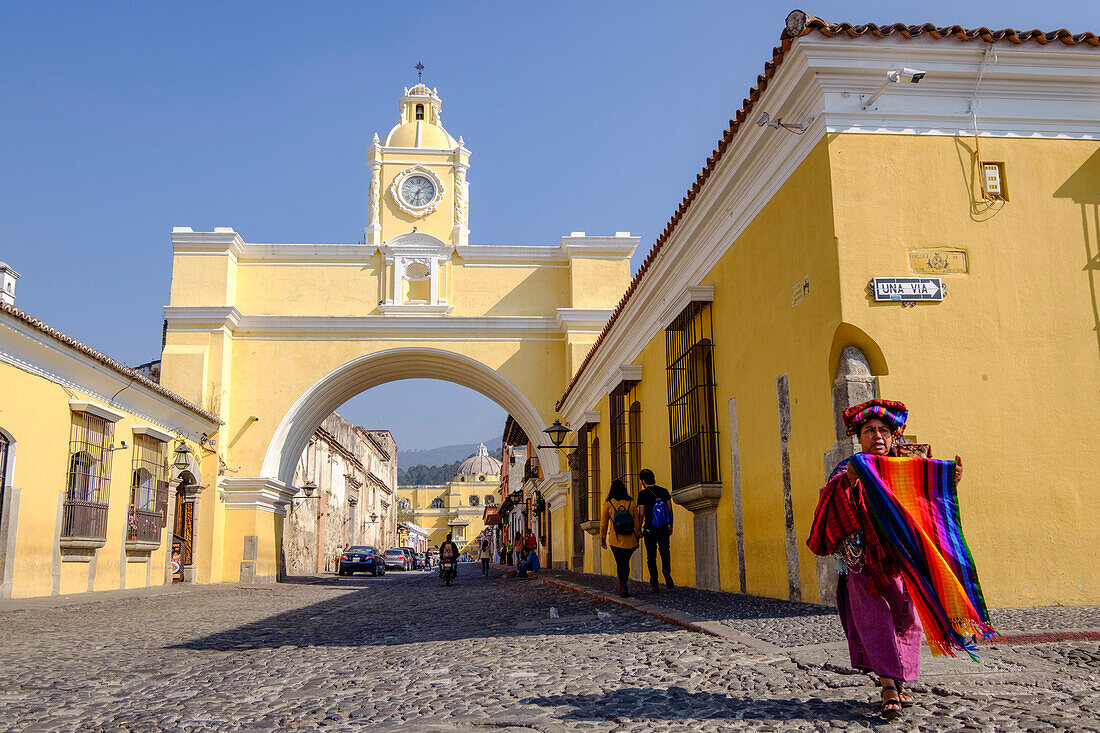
(721, 631)
(1043, 637)
(669, 616)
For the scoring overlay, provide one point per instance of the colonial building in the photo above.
(351, 474)
(104, 474)
(456, 507)
(903, 211)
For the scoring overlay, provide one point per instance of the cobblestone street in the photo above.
(402, 652)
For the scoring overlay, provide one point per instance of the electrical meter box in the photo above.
(993, 176)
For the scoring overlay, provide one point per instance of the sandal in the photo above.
(891, 707)
(905, 697)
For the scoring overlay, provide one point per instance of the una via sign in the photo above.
(907, 289)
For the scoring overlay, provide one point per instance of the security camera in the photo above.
(913, 75)
(763, 119)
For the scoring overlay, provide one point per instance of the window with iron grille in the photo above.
(580, 498)
(594, 480)
(626, 413)
(89, 477)
(148, 490)
(693, 426)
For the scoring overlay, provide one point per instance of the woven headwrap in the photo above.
(893, 414)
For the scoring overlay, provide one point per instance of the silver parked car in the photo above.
(397, 559)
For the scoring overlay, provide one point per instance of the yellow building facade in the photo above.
(457, 507)
(757, 310)
(275, 337)
(101, 469)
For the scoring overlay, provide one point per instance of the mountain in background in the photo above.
(444, 455)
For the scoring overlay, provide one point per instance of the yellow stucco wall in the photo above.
(1004, 371)
(37, 416)
(595, 282)
(336, 290)
(757, 337)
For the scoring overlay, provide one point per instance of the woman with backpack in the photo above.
(624, 520)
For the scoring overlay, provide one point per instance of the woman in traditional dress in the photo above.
(876, 611)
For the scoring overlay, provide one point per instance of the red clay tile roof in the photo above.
(106, 360)
(800, 24)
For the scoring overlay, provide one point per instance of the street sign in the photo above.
(907, 289)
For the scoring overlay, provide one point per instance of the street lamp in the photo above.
(557, 433)
(183, 456)
(308, 489)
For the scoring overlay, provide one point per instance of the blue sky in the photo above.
(122, 120)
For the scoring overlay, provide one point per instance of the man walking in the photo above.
(656, 503)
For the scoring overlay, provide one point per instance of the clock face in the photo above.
(418, 191)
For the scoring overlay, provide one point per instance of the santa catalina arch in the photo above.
(273, 337)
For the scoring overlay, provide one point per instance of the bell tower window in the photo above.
(419, 111)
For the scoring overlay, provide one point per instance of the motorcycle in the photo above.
(448, 570)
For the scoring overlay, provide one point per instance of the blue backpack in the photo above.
(662, 516)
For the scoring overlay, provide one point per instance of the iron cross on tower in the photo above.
(419, 71)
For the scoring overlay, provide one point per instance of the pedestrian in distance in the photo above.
(484, 558)
(656, 504)
(620, 524)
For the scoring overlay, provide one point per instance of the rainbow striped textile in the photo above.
(914, 506)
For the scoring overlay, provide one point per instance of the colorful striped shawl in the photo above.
(915, 508)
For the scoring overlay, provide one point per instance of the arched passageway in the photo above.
(359, 375)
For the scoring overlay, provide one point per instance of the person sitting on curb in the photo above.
(525, 564)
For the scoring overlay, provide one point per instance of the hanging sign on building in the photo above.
(907, 289)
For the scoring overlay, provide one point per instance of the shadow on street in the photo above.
(676, 703)
(413, 608)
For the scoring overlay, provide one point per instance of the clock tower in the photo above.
(418, 176)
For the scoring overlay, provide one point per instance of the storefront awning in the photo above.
(492, 516)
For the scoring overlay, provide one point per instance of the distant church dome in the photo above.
(478, 466)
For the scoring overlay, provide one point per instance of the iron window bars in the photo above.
(581, 478)
(148, 510)
(626, 414)
(89, 479)
(693, 426)
(594, 479)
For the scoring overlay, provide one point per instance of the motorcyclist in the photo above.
(448, 552)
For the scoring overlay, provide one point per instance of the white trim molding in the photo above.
(153, 432)
(402, 320)
(687, 296)
(96, 409)
(583, 319)
(555, 489)
(625, 373)
(260, 494)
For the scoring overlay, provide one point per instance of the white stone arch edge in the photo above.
(391, 365)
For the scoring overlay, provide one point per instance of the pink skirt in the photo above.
(884, 633)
